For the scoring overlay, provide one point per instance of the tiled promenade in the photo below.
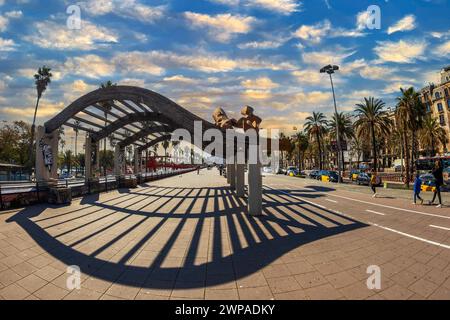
(189, 237)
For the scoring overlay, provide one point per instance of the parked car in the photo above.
(363, 179)
(354, 174)
(281, 171)
(266, 170)
(328, 176)
(314, 174)
(292, 171)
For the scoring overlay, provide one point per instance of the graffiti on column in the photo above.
(47, 154)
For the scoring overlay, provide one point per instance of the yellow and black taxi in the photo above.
(428, 182)
(354, 174)
(328, 176)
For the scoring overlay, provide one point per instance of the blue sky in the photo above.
(229, 53)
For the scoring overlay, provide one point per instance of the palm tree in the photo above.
(106, 107)
(77, 128)
(431, 133)
(346, 131)
(302, 143)
(372, 121)
(411, 113)
(42, 78)
(315, 126)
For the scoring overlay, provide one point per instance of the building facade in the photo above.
(436, 98)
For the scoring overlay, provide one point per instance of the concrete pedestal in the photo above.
(119, 159)
(91, 157)
(254, 189)
(240, 180)
(46, 155)
(232, 175)
(60, 195)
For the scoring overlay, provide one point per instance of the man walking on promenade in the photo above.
(438, 175)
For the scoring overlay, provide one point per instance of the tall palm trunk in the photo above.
(374, 147)
(33, 129)
(406, 148)
(320, 151)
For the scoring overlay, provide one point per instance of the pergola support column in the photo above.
(137, 161)
(91, 157)
(46, 155)
(119, 158)
(240, 180)
(232, 176)
(228, 173)
(254, 189)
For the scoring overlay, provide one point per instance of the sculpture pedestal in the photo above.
(60, 195)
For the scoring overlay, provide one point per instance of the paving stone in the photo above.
(310, 279)
(32, 283)
(14, 292)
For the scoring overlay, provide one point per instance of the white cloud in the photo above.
(401, 52)
(376, 72)
(7, 45)
(324, 57)
(267, 44)
(407, 23)
(280, 6)
(222, 26)
(313, 33)
(132, 9)
(443, 49)
(308, 76)
(137, 62)
(4, 19)
(362, 19)
(52, 35)
(90, 66)
(179, 79)
(259, 83)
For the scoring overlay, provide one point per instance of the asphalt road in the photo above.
(393, 211)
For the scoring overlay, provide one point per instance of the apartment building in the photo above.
(436, 97)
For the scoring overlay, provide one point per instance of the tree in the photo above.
(301, 143)
(346, 131)
(41, 79)
(410, 112)
(315, 126)
(431, 134)
(14, 142)
(372, 122)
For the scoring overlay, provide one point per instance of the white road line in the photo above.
(439, 227)
(379, 213)
(413, 237)
(329, 200)
(377, 225)
(390, 207)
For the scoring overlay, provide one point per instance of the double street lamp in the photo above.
(330, 70)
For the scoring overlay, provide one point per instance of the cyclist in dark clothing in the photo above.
(438, 175)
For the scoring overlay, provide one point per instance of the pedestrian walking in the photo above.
(417, 189)
(439, 177)
(373, 183)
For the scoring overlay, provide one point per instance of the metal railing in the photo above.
(19, 194)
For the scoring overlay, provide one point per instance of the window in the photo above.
(442, 120)
(437, 95)
(428, 107)
(448, 104)
(440, 108)
(446, 92)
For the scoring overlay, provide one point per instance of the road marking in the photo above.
(379, 213)
(390, 207)
(334, 201)
(411, 236)
(377, 225)
(439, 227)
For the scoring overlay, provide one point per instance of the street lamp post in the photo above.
(330, 70)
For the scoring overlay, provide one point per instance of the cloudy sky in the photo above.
(208, 53)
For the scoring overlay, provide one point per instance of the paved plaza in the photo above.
(189, 237)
